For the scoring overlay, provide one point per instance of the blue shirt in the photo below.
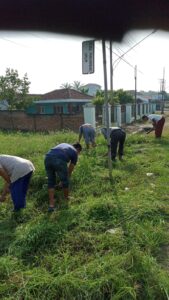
(65, 152)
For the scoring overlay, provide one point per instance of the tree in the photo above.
(14, 89)
(99, 98)
(66, 85)
(84, 90)
(122, 97)
(119, 96)
(76, 85)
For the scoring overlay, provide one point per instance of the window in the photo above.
(77, 109)
(41, 110)
(70, 108)
(58, 109)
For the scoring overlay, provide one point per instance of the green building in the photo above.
(62, 101)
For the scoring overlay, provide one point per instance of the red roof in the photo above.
(65, 94)
(35, 95)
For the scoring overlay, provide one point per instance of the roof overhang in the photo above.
(62, 101)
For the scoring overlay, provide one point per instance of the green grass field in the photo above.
(111, 242)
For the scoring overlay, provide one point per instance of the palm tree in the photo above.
(77, 85)
(66, 85)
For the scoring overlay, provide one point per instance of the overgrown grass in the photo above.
(107, 244)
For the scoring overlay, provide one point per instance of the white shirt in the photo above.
(86, 125)
(16, 167)
(155, 117)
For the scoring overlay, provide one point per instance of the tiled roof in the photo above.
(65, 94)
(35, 95)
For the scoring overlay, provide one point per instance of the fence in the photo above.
(119, 114)
(126, 114)
(19, 120)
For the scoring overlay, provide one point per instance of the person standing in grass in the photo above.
(117, 140)
(16, 172)
(88, 132)
(158, 122)
(60, 160)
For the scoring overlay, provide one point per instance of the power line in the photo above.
(137, 43)
(120, 57)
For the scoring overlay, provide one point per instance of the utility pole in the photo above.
(162, 90)
(107, 108)
(111, 70)
(111, 67)
(135, 91)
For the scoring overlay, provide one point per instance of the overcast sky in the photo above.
(51, 60)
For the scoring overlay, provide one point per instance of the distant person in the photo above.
(16, 172)
(60, 160)
(88, 132)
(158, 122)
(117, 140)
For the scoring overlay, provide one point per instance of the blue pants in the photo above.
(18, 190)
(53, 166)
(89, 135)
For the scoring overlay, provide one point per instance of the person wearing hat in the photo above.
(16, 172)
(158, 122)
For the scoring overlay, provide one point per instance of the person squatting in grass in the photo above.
(88, 132)
(60, 160)
(158, 122)
(117, 140)
(16, 172)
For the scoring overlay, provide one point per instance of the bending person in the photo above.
(60, 160)
(16, 172)
(117, 140)
(158, 122)
(88, 132)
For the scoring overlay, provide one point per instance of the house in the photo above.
(92, 88)
(62, 101)
(142, 99)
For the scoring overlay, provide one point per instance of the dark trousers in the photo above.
(117, 139)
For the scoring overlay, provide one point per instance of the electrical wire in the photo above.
(154, 31)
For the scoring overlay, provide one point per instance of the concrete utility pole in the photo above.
(135, 91)
(162, 90)
(111, 67)
(107, 108)
(111, 71)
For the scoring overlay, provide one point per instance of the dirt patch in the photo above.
(137, 128)
(141, 127)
